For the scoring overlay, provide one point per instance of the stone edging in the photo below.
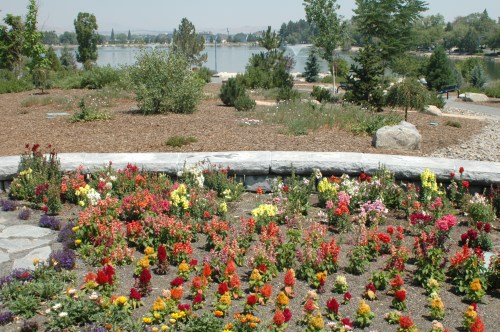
(259, 164)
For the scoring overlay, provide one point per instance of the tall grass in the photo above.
(492, 89)
(301, 118)
(43, 101)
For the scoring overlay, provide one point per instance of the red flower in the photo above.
(145, 276)
(333, 306)
(279, 318)
(263, 268)
(396, 282)
(309, 306)
(288, 315)
(371, 287)
(102, 277)
(400, 229)
(259, 191)
(207, 271)
(266, 290)
(405, 322)
(198, 298)
(134, 294)
(285, 188)
(177, 282)
(487, 228)
(223, 288)
(347, 296)
(400, 295)
(346, 322)
(289, 278)
(230, 268)
(193, 263)
(461, 170)
(184, 307)
(251, 299)
(452, 174)
(478, 325)
(162, 253)
(206, 215)
(465, 184)
(390, 230)
(110, 271)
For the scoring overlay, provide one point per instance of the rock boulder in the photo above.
(433, 110)
(475, 97)
(403, 136)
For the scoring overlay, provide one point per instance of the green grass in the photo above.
(178, 141)
(453, 123)
(42, 101)
(301, 118)
(89, 113)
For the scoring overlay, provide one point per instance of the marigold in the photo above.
(282, 299)
(149, 251)
(147, 320)
(255, 276)
(176, 293)
(363, 309)
(144, 262)
(317, 322)
(183, 267)
(159, 304)
(225, 299)
(475, 285)
(120, 300)
(437, 303)
(219, 313)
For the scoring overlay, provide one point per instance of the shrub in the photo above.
(99, 77)
(204, 74)
(177, 141)
(9, 83)
(288, 94)
(231, 90)
(435, 99)
(42, 79)
(89, 113)
(453, 123)
(321, 94)
(165, 83)
(244, 103)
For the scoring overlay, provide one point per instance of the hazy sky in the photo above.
(207, 15)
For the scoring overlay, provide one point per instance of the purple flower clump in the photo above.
(63, 259)
(47, 221)
(17, 274)
(67, 236)
(6, 318)
(29, 326)
(24, 213)
(9, 205)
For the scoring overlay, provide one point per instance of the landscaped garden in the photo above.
(195, 252)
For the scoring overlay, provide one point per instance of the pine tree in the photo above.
(439, 70)
(112, 38)
(311, 70)
(129, 36)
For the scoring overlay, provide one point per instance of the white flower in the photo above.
(63, 314)
(93, 296)
(48, 311)
(56, 306)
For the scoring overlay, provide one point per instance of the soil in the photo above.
(417, 301)
(215, 127)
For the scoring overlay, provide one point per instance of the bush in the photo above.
(9, 83)
(178, 141)
(89, 113)
(165, 83)
(99, 77)
(244, 103)
(288, 94)
(322, 94)
(230, 91)
(205, 74)
(453, 123)
(435, 99)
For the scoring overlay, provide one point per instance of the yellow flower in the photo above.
(475, 285)
(432, 283)
(172, 321)
(225, 299)
(363, 309)
(154, 329)
(75, 229)
(147, 320)
(164, 327)
(255, 276)
(159, 304)
(149, 251)
(156, 315)
(120, 300)
(78, 242)
(144, 262)
(321, 276)
(282, 299)
(81, 203)
(437, 303)
(471, 313)
(317, 322)
(35, 262)
(183, 267)
(223, 207)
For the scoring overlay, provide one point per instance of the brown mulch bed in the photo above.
(216, 128)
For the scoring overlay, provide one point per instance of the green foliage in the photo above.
(99, 77)
(366, 78)
(453, 123)
(436, 99)
(287, 94)
(11, 44)
(268, 70)
(178, 141)
(269, 40)
(33, 47)
(244, 103)
(341, 67)
(478, 77)
(231, 90)
(204, 323)
(410, 65)
(409, 94)
(9, 83)
(165, 83)
(429, 265)
(87, 37)
(205, 74)
(89, 113)
(321, 94)
(359, 258)
(369, 123)
(439, 70)
(466, 66)
(226, 185)
(311, 70)
(67, 58)
(188, 43)
(380, 280)
(300, 32)
(41, 78)
(54, 62)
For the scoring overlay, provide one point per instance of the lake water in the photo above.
(235, 58)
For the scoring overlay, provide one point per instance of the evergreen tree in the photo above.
(67, 58)
(87, 37)
(269, 40)
(311, 70)
(439, 70)
(11, 44)
(55, 64)
(366, 78)
(112, 38)
(129, 36)
(478, 76)
(187, 42)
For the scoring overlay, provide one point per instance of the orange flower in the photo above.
(266, 291)
(290, 278)
(91, 276)
(207, 271)
(279, 318)
(219, 313)
(176, 293)
(230, 268)
(235, 281)
(282, 299)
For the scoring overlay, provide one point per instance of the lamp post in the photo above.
(215, 54)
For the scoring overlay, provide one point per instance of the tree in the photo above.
(478, 76)
(408, 94)
(53, 60)
(50, 38)
(269, 40)
(323, 15)
(112, 37)
(129, 36)
(68, 38)
(165, 83)
(188, 43)
(439, 70)
(33, 47)
(470, 42)
(366, 78)
(388, 24)
(87, 37)
(11, 44)
(67, 58)
(311, 70)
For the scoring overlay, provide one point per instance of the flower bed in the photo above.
(315, 254)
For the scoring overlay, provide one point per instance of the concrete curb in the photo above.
(258, 164)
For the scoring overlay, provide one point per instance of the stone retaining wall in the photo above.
(256, 166)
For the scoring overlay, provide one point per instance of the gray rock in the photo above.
(24, 231)
(4, 257)
(26, 262)
(403, 136)
(19, 245)
(475, 97)
(433, 110)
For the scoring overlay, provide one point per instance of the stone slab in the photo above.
(24, 231)
(4, 257)
(8, 167)
(19, 245)
(305, 162)
(26, 262)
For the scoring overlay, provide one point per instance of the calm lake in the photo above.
(235, 58)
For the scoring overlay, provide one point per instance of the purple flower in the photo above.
(24, 213)
(29, 326)
(9, 205)
(47, 221)
(67, 236)
(6, 318)
(63, 259)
